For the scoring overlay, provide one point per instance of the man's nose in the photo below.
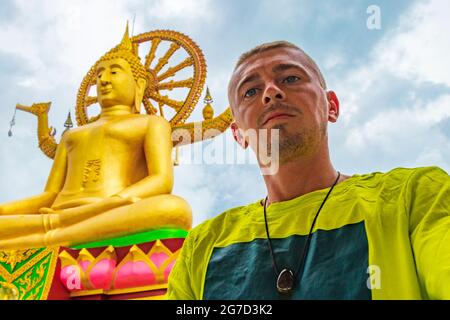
(272, 93)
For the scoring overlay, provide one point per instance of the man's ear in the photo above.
(333, 106)
(237, 135)
(141, 84)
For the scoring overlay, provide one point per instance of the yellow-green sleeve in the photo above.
(181, 275)
(428, 203)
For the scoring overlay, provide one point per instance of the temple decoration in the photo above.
(68, 124)
(137, 271)
(208, 111)
(46, 134)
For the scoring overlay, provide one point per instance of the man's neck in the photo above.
(300, 177)
(114, 111)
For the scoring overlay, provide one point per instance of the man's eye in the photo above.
(291, 79)
(113, 72)
(99, 75)
(250, 93)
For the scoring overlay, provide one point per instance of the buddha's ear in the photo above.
(141, 84)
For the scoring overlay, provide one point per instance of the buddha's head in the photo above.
(121, 77)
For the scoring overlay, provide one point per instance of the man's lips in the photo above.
(277, 115)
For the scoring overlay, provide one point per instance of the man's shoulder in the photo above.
(403, 174)
(399, 182)
(222, 223)
(425, 176)
(416, 170)
(418, 173)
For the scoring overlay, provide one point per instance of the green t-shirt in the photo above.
(379, 236)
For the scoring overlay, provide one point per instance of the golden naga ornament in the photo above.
(46, 134)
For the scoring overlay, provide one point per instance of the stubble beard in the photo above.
(297, 145)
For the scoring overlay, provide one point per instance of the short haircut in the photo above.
(281, 44)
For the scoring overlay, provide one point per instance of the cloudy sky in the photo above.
(393, 82)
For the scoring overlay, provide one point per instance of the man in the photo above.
(319, 234)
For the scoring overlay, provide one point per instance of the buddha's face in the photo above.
(115, 83)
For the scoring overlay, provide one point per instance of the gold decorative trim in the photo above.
(160, 297)
(84, 293)
(51, 273)
(137, 289)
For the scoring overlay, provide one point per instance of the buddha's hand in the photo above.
(46, 210)
(89, 210)
(128, 200)
(107, 204)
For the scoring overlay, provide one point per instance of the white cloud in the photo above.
(190, 184)
(333, 60)
(189, 10)
(389, 115)
(416, 50)
(27, 82)
(58, 40)
(434, 156)
(212, 187)
(384, 129)
(61, 40)
(352, 88)
(23, 168)
(419, 46)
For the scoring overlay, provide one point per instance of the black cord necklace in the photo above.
(286, 278)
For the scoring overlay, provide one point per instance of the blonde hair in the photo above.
(281, 44)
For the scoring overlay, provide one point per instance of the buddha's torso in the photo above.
(103, 158)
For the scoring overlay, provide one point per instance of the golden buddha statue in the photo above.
(111, 177)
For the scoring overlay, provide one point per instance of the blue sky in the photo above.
(393, 83)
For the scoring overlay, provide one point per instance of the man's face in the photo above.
(279, 89)
(115, 83)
